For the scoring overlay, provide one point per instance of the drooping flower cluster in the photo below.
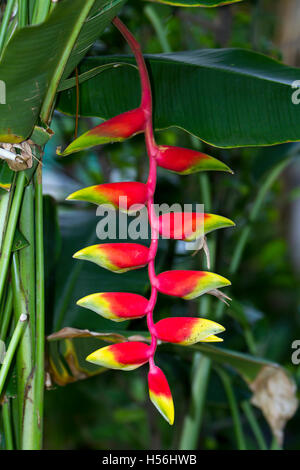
(122, 257)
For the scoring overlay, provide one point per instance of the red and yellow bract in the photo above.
(116, 257)
(188, 330)
(121, 196)
(160, 393)
(189, 284)
(116, 129)
(116, 306)
(190, 225)
(186, 161)
(126, 356)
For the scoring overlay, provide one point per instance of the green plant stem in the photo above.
(7, 427)
(4, 205)
(238, 429)
(247, 408)
(7, 314)
(5, 21)
(158, 27)
(192, 422)
(14, 342)
(40, 308)
(25, 368)
(10, 230)
(22, 13)
(41, 10)
(239, 249)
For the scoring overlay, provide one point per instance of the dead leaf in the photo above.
(275, 394)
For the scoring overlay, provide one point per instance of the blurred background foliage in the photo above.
(112, 410)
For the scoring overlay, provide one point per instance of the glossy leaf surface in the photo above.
(205, 92)
(34, 55)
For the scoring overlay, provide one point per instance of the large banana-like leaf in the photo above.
(196, 3)
(226, 97)
(38, 57)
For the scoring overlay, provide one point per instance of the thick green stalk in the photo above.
(10, 230)
(14, 342)
(7, 427)
(22, 13)
(41, 10)
(25, 369)
(237, 425)
(4, 205)
(247, 408)
(7, 314)
(40, 309)
(5, 20)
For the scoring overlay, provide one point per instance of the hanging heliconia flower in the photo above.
(122, 257)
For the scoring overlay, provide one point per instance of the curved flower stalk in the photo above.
(122, 257)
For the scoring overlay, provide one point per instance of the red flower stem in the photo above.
(146, 105)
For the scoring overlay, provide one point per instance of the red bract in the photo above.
(122, 196)
(116, 306)
(190, 225)
(116, 257)
(187, 331)
(125, 356)
(185, 161)
(189, 284)
(160, 393)
(116, 129)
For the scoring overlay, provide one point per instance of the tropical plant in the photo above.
(45, 67)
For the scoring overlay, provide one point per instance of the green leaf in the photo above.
(196, 3)
(38, 57)
(19, 241)
(71, 82)
(226, 97)
(6, 176)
